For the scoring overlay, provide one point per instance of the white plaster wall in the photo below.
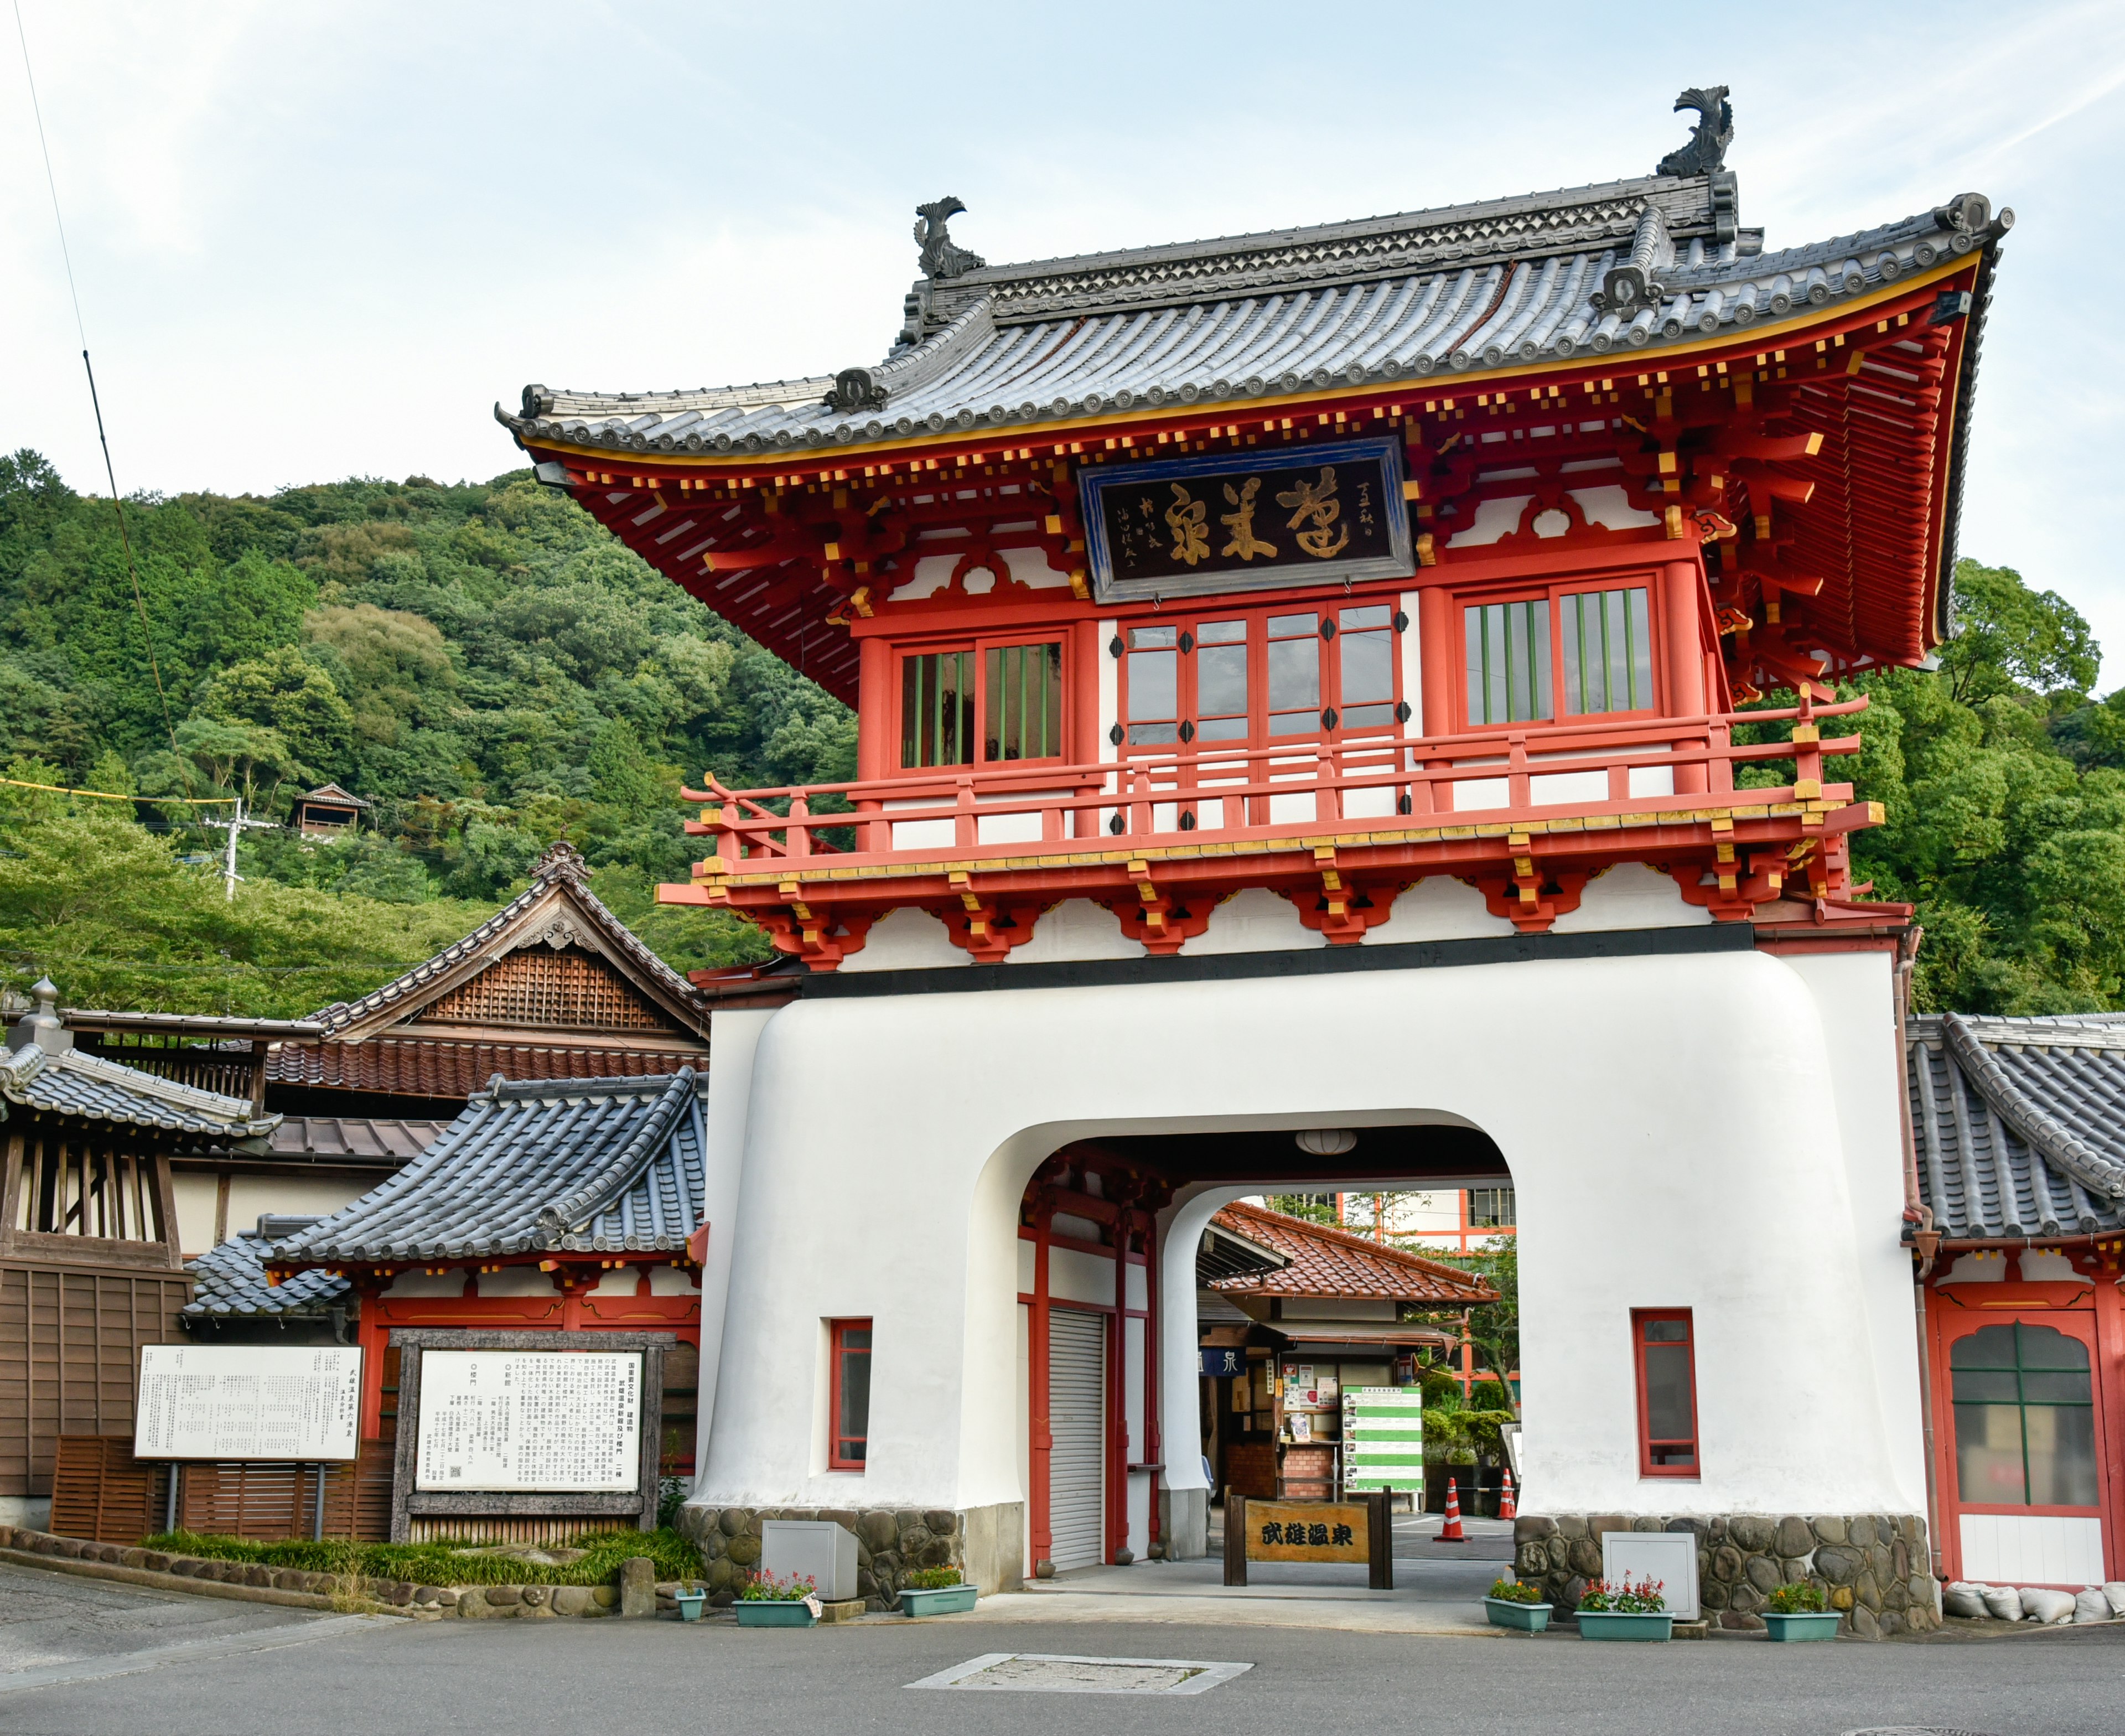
(1630, 895)
(733, 1038)
(1438, 908)
(1854, 995)
(1076, 928)
(1254, 920)
(1679, 1116)
(907, 939)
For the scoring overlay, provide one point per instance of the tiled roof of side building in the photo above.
(353, 1139)
(542, 1166)
(72, 1083)
(1326, 1262)
(560, 871)
(1629, 267)
(229, 1282)
(2018, 1124)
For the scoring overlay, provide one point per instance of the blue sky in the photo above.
(317, 241)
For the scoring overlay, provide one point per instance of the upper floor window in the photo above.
(1667, 1367)
(1261, 677)
(995, 702)
(1595, 646)
(1490, 1208)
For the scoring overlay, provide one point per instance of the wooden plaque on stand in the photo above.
(410, 1501)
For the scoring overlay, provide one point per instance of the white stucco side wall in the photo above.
(1666, 1119)
(733, 1038)
(1854, 993)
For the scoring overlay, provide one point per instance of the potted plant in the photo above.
(689, 1599)
(1799, 1611)
(1513, 1605)
(934, 1591)
(764, 1600)
(1625, 1611)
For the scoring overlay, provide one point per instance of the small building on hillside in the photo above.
(2016, 1184)
(327, 812)
(1329, 1317)
(91, 1268)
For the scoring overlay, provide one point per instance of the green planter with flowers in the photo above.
(1626, 1610)
(934, 1591)
(1799, 1611)
(1520, 1607)
(764, 1600)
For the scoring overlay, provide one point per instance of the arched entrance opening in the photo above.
(1124, 1431)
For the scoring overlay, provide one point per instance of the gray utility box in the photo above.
(815, 1549)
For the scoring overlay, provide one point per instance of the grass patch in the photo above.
(439, 1563)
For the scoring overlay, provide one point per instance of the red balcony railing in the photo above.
(1210, 793)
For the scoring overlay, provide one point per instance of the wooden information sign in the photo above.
(574, 1435)
(1360, 1532)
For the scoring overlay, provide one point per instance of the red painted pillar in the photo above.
(1435, 650)
(874, 745)
(1118, 1395)
(1681, 583)
(374, 1338)
(1152, 1435)
(2110, 1407)
(1040, 1437)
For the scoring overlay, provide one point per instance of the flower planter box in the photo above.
(760, 1612)
(1527, 1618)
(1814, 1625)
(945, 1600)
(689, 1605)
(1612, 1624)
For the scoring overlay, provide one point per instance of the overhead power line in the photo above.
(81, 328)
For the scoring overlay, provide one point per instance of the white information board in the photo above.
(242, 1401)
(557, 1420)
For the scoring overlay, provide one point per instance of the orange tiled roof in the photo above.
(1334, 1262)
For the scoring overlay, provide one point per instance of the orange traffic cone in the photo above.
(1451, 1532)
(1508, 1509)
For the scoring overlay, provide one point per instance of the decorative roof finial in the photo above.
(561, 859)
(1706, 152)
(941, 257)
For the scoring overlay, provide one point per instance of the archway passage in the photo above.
(1108, 1317)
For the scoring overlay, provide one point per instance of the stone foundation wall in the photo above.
(1872, 1567)
(890, 1542)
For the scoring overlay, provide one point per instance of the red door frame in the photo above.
(2097, 1319)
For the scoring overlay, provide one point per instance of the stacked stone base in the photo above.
(891, 1543)
(1872, 1568)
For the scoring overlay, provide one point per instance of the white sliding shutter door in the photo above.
(1077, 1414)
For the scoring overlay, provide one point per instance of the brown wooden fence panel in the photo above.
(100, 1490)
(69, 1342)
(273, 1501)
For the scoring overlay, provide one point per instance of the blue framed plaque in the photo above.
(1302, 514)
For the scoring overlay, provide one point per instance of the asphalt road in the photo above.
(288, 1674)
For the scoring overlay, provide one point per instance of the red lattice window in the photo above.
(570, 990)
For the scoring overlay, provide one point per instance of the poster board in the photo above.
(246, 1401)
(1382, 1438)
(553, 1421)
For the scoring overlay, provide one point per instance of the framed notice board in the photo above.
(555, 1424)
(248, 1401)
(1382, 1438)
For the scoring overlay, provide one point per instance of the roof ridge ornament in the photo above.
(942, 257)
(1706, 152)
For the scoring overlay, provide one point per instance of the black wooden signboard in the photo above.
(1302, 514)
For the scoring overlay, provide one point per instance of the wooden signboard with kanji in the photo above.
(1360, 1532)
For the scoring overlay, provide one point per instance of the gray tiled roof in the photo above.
(2019, 1123)
(1389, 298)
(586, 1165)
(74, 1084)
(353, 1139)
(560, 873)
(230, 1283)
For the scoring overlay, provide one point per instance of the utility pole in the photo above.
(239, 824)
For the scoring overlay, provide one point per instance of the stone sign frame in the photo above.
(409, 1502)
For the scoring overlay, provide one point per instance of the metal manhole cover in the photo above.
(1053, 1673)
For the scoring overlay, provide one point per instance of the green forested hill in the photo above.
(494, 672)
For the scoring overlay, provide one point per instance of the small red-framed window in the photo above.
(983, 703)
(1664, 1360)
(848, 1407)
